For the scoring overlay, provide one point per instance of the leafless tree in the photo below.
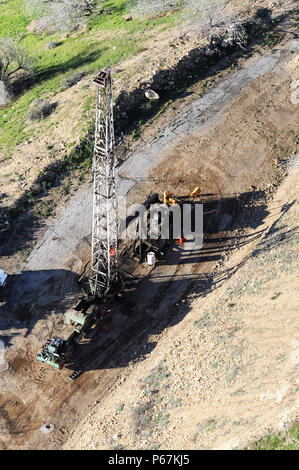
(209, 17)
(12, 59)
(206, 17)
(235, 34)
(205, 14)
(154, 7)
(60, 15)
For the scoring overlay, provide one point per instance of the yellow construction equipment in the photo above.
(172, 200)
(195, 193)
(169, 199)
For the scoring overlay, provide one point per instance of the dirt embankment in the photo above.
(226, 374)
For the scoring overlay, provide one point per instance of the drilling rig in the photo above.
(105, 280)
(105, 221)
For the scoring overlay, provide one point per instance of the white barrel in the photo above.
(151, 259)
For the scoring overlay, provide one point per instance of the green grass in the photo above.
(156, 376)
(29, 251)
(45, 209)
(109, 39)
(286, 440)
(272, 38)
(12, 21)
(119, 408)
(276, 295)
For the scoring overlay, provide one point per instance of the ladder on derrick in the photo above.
(105, 220)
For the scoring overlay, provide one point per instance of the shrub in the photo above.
(142, 417)
(21, 81)
(59, 15)
(205, 15)
(52, 44)
(40, 109)
(263, 14)
(236, 34)
(73, 79)
(13, 58)
(154, 7)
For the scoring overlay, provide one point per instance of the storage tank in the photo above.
(151, 259)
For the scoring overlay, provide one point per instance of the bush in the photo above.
(40, 109)
(13, 58)
(236, 34)
(22, 81)
(52, 44)
(154, 7)
(142, 416)
(73, 79)
(205, 15)
(264, 15)
(59, 15)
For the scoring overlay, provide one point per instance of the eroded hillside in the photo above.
(202, 352)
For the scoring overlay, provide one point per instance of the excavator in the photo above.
(171, 200)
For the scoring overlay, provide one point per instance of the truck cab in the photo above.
(55, 352)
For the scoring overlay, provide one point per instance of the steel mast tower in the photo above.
(105, 220)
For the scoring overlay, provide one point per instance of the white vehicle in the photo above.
(3, 277)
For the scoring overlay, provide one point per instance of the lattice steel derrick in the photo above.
(104, 225)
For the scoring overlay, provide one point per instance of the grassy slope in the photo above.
(287, 440)
(84, 51)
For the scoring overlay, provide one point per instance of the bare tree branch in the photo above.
(154, 7)
(60, 15)
(12, 59)
(206, 17)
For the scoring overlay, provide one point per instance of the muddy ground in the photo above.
(232, 142)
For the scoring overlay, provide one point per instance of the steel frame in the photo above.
(105, 219)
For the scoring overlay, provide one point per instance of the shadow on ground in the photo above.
(30, 296)
(149, 304)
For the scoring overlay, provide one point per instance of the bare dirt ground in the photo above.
(226, 374)
(233, 143)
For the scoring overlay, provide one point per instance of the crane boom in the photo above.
(105, 221)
